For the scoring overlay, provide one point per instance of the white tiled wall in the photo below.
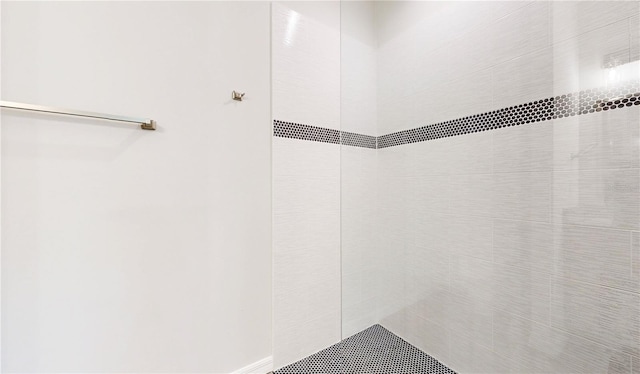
(306, 62)
(514, 250)
(306, 180)
(358, 167)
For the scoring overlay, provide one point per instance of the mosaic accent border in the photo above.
(573, 104)
(305, 132)
(373, 351)
(358, 140)
(322, 134)
(578, 103)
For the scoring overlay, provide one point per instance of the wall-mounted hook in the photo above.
(237, 96)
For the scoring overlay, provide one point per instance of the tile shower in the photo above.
(465, 175)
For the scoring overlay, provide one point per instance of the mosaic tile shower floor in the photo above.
(372, 351)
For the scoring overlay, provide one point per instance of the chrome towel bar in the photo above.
(145, 124)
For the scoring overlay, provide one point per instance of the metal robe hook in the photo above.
(237, 96)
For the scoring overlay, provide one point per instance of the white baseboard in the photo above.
(259, 367)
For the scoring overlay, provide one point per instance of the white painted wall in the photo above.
(125, 250)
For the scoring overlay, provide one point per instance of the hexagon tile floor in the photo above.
(373, 351)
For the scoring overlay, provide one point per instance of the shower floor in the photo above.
(373, 351)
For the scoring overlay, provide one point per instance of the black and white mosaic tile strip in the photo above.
(322, 134)
(579, 103)
(305, 132)
(358, 140)
(372, 351)
(573, 104)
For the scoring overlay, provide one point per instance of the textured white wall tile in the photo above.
(523, 79)
(578, 63)
(431, 195)
(396, 322)
(304, 267)
(539, 348)
(523, 244)
(471, 52)
(301, 158)
(358, 64)
(605, 198)
(472, 279)
(522, 292)
(396, 113)
(481, 205)
(358, 317)
(466, 94)
(524, 28)
(635, 363)
(311, 299)
(306, 339)
(469, 154)
(571, 18)
(429, 337)
(523, 148)
(605, 140)
(358, 192)
(439, 25)
(306, 65)
(393, 161)
(601, 314)
(305, 194)
(435, 23)
(469, 236)
(306, 180)
(469, 306)
(429, 158)
(393, 207)
(635, 255)
(396, 96)
(470, 318)
(359, 264)
(467, 356)
(471, 195)
(432, 305)
(520, 32)
(634, 30)
(295, 231)
(525, 196)
(425, 267)
(501, 9)
(595, 255)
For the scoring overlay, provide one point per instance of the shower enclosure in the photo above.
(487, 181)
(407, 187)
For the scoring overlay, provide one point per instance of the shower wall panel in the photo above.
(509, 209)
(306, 178)
(360, 266)
(324, 167)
